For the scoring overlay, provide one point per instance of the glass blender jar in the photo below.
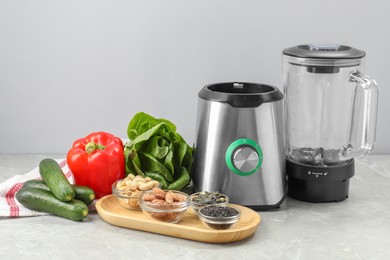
(331, 112)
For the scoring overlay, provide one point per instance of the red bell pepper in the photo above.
(97, 161)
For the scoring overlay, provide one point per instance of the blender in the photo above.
(239, 146)
(330, 118)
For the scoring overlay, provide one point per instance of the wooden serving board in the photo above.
(189, 227)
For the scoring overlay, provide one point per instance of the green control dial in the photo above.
(244, 157)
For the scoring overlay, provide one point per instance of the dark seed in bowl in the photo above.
(219, 212)
(219, 226)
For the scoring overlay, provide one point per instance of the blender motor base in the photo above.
(318, 192)
(305, 186)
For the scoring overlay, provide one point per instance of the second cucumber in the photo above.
(83, 193)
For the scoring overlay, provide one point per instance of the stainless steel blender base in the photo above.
(239, 147)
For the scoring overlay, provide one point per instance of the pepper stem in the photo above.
(92, 146)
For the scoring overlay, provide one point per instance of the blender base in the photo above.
(319, 184)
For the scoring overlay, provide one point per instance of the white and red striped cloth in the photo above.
(9, 205)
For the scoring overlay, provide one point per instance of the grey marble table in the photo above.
(357, 228)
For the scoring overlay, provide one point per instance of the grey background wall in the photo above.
(69, 68)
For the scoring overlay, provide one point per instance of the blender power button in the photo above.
(244, 157)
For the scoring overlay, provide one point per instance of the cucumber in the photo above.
(83, 193)
(45, 201)
(39, 184)
(55, 179)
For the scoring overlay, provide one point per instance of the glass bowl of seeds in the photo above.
(219, 217)
(205, 198)
(128, 190)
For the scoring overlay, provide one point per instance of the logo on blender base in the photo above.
(317, 173)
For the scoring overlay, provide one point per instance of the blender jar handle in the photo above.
(364, 116)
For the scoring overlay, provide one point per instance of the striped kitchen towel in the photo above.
(9, 205)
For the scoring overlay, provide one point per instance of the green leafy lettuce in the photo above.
(157, 151)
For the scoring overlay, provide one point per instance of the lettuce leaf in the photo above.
(156, 149)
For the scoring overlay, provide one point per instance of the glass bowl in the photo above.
(128, 190)
(162, 208)
(126, 198)
(204, 198)
(219, 217)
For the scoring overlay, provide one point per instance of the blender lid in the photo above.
(324, 51)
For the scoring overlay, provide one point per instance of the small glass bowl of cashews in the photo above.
(164, 205)
(128, 190)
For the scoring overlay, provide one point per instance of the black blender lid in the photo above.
(324, 51)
